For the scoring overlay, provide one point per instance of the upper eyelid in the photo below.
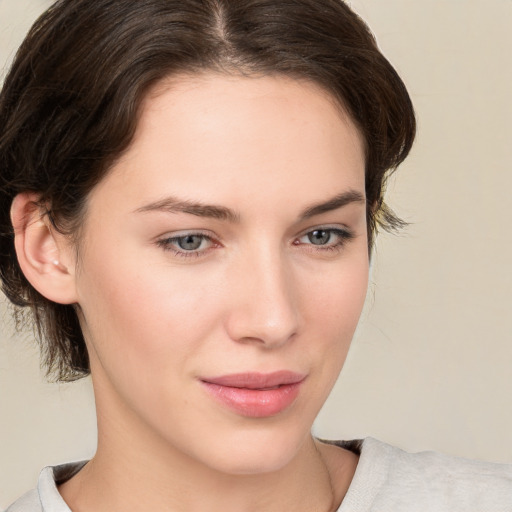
(328, 227)
(182, 233)
(212, 236)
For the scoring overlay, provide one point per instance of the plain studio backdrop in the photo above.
(430, 366)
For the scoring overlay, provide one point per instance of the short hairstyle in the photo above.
(70, 103)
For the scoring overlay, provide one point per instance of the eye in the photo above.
(325, 238)
(189, 244)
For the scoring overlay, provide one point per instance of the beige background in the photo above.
(431, 364)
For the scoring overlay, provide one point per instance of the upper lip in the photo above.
(255, 380)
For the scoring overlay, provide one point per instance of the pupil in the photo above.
(319, 237)
(190, 242)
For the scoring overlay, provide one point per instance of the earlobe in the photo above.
(43, 254)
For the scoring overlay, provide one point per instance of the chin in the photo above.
(256, 452)
(243, 463)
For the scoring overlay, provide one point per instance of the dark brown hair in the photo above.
(70, 102)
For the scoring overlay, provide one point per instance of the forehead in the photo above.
(245, 100)
(207, 134)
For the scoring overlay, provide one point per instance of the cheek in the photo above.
(332, 312)
(144, 312)
(335, 299)
(144, 333)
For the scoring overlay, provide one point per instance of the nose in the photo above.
(264, 304)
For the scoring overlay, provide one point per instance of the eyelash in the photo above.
(344, 236)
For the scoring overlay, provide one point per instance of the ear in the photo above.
(45, 256)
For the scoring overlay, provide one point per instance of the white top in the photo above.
(387, 479)
(390, 480)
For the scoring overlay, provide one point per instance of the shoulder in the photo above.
(29, 502)
(388, 478)
(46, 497)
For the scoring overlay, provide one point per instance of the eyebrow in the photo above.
(175, 205)
(351, 196)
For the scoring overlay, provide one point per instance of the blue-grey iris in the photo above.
(319, 237)
(190, 242)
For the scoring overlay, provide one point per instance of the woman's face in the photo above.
(223, 269)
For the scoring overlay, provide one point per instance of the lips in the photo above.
(255, 395)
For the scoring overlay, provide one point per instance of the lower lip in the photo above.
(255, 403)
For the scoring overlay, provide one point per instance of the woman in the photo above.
(190, 193)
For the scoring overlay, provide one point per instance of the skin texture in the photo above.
(257, 296)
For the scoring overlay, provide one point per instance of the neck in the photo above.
(131, 480)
